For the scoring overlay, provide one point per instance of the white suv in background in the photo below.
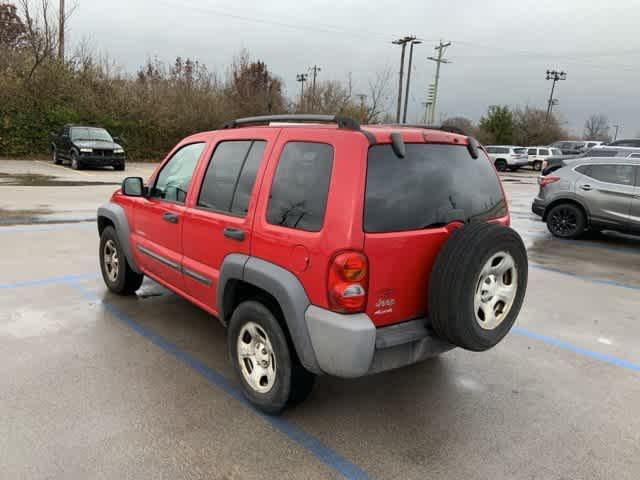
(508, 157)
(537, 156)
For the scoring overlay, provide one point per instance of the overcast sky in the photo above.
(500, 49)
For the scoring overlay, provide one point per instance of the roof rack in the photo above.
(443, 128)
(342, 122)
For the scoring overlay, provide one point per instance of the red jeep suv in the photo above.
(324, 247)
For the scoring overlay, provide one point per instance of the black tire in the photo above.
(501, 165)
(54, 157)
(514, 169)
(119, 167)
(537, 165)
(566, 220)
(76, 164)
(456, 280)
(292, 382)
(126, 281)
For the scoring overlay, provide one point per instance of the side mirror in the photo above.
(117, 139)
(133, 187)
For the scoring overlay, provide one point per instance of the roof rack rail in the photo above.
(342, 122)
(443, 128)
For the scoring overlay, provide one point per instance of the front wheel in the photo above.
(269, 372)
(119, 167)
(117, 274)
(501, 165)
(75, 161)
(566, 220)
(54, 157)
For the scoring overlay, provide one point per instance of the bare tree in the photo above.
(379, 95)
(597, 127)
(531, 127)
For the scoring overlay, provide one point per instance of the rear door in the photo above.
(220, 221)
(607, 189)
(411, 204)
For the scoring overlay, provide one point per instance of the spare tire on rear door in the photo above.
(477, 285)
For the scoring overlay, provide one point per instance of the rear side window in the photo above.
(432, 186)
(520, 150)
(300, 185)
(532, 151)
(543, 151)
(618, 174)
(230, 175)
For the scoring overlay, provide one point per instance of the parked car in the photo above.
(553, 163)
(569, 147)
(324, 248)
(87, 146)
(508, 157)
(627, 142)
(592, 193)
(538, 155)
(589, 144)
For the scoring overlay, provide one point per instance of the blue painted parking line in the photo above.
(48, 280)
(312, 444)
(586, 278)
(603, 357)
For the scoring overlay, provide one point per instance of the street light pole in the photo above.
(406, 94)
(403, 42)
(555, 76)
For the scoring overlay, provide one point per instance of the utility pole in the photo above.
(615, 135)
(555, 76)
(406, 94)
(61, 15)
(301, 77)
(426, 106)
(403, 42)
(315, 69)
(441, 48)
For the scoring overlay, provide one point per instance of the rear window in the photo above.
(432, 186)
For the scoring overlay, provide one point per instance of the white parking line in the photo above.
(65, 169)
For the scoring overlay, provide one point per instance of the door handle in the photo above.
(586, 187)
(234, 234)
(170, 217)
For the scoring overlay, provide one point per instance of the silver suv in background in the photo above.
(508, 157)
(538, 155)
(590, 193)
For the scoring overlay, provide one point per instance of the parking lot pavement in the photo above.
(93, 385)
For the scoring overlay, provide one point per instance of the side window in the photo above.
(504, 150)
(230, 175)
(533, 151)
(583, 169)
(491, 150)
(618, 174)
(65, 131)
(544, 152)
(300, 186)
(634, 155)
(173, 180)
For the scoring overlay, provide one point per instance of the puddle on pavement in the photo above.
(38, 216)
(40, 180)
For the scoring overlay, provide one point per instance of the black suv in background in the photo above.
(87, 146)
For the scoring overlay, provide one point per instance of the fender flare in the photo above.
(567, 197)
(283, 286)
(116, 215)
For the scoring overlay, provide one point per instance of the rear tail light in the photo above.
(347, 282)
(544, 181)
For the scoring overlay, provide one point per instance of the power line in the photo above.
(441, 48)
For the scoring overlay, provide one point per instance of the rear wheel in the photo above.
(270, 374)
(54, 157)
(537, 165)
(119, 166)
(501, 165)
(477, 285)
(566, 220)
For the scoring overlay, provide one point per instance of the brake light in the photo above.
(347, 282)
(544, 181)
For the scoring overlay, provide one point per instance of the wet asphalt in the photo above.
(97, 386)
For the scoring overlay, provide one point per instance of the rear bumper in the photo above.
(538, 207)
(351, 345)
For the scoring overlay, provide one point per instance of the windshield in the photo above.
(432, 186)
(90, 134)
